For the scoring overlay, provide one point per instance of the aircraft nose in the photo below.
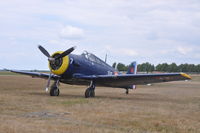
(60, 65)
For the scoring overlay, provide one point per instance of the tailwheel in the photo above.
(127, 91)
(54, 90)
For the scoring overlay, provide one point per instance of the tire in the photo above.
(54, 91)
(127, 91)
(87, 93)
(92, 93)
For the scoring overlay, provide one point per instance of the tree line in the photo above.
(164, 67)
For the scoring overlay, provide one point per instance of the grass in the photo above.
(75, 101)
(161, 108)
(7, 73)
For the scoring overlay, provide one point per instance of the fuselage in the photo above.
(84, 64)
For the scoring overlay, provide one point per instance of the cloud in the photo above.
(121, 51)
(128, 52)
(72, 33)
(145, 30)
(184, 50)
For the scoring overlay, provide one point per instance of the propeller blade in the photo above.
(44, 51)
(67, 52)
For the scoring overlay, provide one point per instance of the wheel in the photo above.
(54, 91)
(87, 93)
(92, 93)
(127, 91)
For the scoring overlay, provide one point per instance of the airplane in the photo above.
(88, 69)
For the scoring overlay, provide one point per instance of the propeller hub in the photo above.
(55, 63)
(51, 59)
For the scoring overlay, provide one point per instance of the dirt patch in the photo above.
(46, 114)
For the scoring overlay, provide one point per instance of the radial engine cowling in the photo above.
(59, 66)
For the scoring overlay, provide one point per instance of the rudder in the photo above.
(132, 69)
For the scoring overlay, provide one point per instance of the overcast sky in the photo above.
(154, 31)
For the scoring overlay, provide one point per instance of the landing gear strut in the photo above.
(90, 91)
(127, 91)
(54, 89)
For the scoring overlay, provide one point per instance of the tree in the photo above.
(164, 67)
(114, 65)
(159, 67)
(146, 67)
(198, 68)
(121, 67)
(173, 67)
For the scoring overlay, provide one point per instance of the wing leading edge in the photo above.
(127, 80)
(36, 74)
(122, 81)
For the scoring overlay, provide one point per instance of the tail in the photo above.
(132, 70)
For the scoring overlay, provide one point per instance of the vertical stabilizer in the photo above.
(132, 68)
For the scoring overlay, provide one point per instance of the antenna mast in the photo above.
(106, 58)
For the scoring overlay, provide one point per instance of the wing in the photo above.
(36, 74)
(124, 81)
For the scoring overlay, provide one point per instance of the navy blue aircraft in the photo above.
(87, 69)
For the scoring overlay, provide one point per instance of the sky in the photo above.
(155, 31)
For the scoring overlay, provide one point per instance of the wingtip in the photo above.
(186, 75)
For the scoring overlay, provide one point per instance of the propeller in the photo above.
(53, 59)
(44, 51)
(67, 52)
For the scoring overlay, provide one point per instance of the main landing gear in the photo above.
(54, 89)
(90, 92)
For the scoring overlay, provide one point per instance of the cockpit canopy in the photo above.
(93, 58)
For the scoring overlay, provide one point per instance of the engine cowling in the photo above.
(59, 66)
